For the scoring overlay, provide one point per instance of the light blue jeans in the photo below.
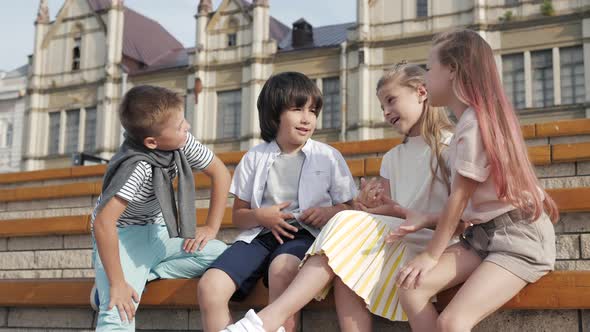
(148, 253)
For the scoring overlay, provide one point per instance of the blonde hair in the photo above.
(433, 121)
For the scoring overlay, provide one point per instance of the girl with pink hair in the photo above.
(493, 187)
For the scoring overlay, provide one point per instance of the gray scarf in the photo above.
(122, 165)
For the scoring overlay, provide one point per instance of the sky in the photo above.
(17, 30)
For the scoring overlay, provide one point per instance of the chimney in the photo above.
(302, 33)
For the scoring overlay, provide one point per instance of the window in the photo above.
(5, 134)
(54, 128)
(331, 108)
(228, 113)
(421, 8)
(511, 2)
(9, 134)
(232, 36)
(542, 68)
(76, 53)
(361, 57)
(90, 130)
(232, 40)
(72, 130)
(513, 79)
(572, 75)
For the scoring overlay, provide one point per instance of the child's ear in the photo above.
(452, 72)
(150, 142)
(422, 93)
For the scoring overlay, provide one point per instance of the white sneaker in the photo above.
(250, 323)
(94, 300)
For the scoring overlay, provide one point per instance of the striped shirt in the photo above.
(143, 207)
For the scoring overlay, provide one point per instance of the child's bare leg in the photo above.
(352, 311)
(454, 266)
(281, 273)
(215, 291)
(311, 279)
(485, 291)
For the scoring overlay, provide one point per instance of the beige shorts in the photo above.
(525, 249)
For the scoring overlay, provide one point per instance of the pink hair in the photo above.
(477, 84)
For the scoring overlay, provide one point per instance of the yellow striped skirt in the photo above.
(354, 243)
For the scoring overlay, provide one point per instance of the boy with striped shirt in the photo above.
(142, 230)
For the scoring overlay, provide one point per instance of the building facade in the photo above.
(13, 86)
(95, 50)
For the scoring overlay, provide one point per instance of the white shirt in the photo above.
(412, 184)
(325, 179)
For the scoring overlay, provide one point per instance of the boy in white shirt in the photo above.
(285, 190)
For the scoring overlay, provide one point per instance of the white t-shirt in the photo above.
(407, 167)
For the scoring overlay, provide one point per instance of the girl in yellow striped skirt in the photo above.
(352, 250)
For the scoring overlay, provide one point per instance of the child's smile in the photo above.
(303, 131)
(394, 120)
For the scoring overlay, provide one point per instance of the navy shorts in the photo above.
(245, 263)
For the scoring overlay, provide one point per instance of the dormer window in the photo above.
(232, 32)
(232, 39)
(76, 53)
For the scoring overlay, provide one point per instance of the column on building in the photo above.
(255, 73)
(36, 117)
(108, 124)
(199, 74)
(358, 110)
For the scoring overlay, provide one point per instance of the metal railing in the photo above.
(82, 158)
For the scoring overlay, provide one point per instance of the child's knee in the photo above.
(110, 320)
(448, 321)
(283, 269)
(214, 248)
(214, 288)
(411, 296)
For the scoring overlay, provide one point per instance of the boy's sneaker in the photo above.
(250, 323)
(94, 299)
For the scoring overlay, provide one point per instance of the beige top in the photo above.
(407, 167)
(469, 158)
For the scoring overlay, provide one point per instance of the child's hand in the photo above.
(386, 207)
(204, 235)
(272, 218)
(317, 217)
(461, 227)
(123, 296)
(414, 222)
(369, 193)
(411, 274)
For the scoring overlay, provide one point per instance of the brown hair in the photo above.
(145, 108)
(433, 122)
